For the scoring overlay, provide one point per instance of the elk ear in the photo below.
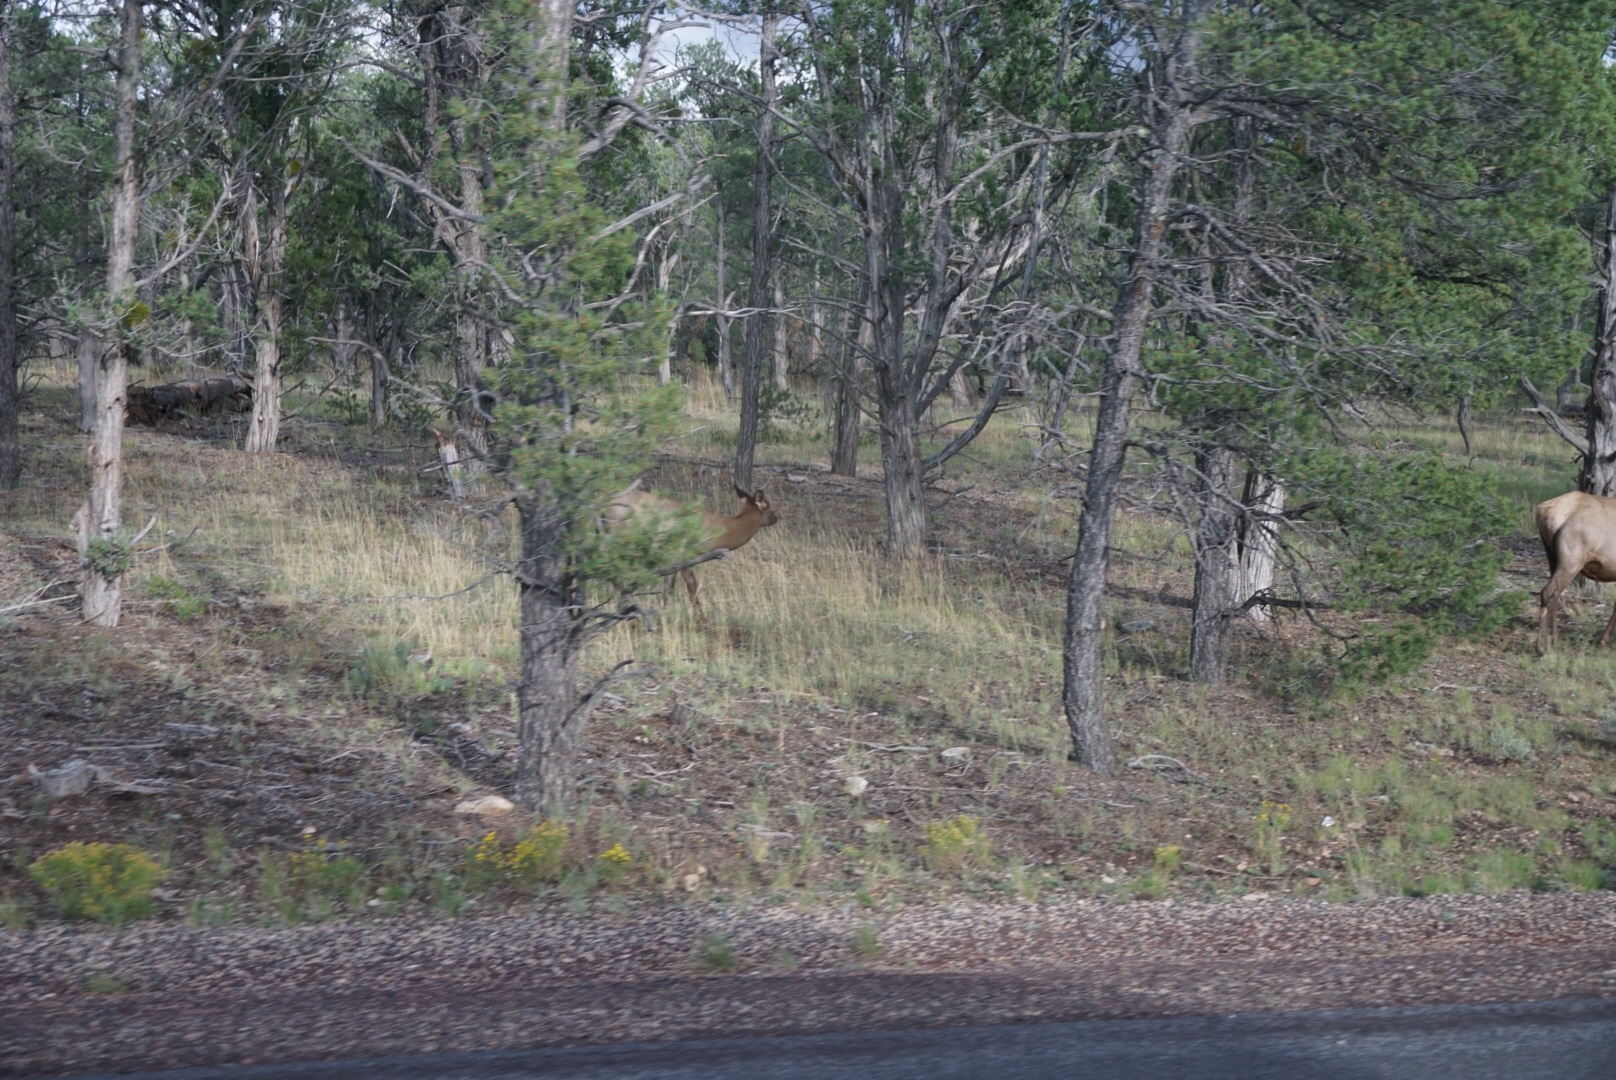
(739, 490)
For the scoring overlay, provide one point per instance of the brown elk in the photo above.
(719, 533)
(1579, 536)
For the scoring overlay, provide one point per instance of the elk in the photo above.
(1579, 536)
(719, 533)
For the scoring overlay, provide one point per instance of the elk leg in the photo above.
(690, 587)
(1604, 639)
(1548, 629)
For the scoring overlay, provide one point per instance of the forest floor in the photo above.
(316, 658)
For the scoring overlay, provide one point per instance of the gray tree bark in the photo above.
(782, 349)
(97, 524)
(1598, 473)
(848, 415)
(264, 253)
(10, 345)
(1169, 115)
(726, 365)
(1264, 500)
(548, 698)
(757, 293)
(1216, 566)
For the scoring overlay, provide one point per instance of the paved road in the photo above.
(1565, 1040)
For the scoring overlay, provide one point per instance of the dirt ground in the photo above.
(237, 730)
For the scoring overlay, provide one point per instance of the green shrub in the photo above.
(956, 844)
(109, 883)
(326, 875)
(1505, 743)
(1582, 875)
(1499, 870)
(535, 857)
(178, 600)
(716, 956)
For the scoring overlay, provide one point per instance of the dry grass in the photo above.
(726, 767)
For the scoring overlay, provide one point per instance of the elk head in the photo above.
(759, 502)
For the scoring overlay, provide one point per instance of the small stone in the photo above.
(796, 478)
(1255, 897)
(65, 781)
(1313, 882)
(855, 786)
(1137, 626)
(956, 755)
(692, 882)
(487, 806)
(1108, 879)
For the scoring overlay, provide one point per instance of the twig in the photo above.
(1552, 418)
(33, 599)
(716, 553)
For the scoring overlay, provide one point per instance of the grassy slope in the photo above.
(290, 618)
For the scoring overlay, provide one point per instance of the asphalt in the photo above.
(1557, 1040)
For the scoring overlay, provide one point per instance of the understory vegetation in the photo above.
(318, 667)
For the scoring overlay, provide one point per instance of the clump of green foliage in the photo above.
(110, 883)
(957, 844)
(179, 600)
(1416, 540)
(534, 858)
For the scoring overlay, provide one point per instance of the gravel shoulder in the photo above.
(78, 1000)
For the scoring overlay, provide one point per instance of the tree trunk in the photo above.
(89, 357)
(855, 342)
(901, 483)
(782, 350)
(1462, 415)
(959, 390)
(726, 366)
(266, 258)
(1265, 501)
(103, 551)
(1060, 400)
(548, 697)
(1598, 473)
(378, 388)
(1216, 566)
(10, 347)
(1083, 692)
(757, 293)
(901, 462)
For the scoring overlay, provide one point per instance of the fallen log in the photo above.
(220, 393)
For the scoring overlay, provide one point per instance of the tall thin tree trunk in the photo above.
(782, 351)
(757, 293)
(103, 552)
(1060, 400)
(726, 367)
(88, 357)
(378, 388)
(855, 343)
(1462, 416)
(1598, 473)
(1083, 693)
(1216, 566)
(1265, 500)
(665, 265)
(266, 257)
(901, 462)
(10, 347)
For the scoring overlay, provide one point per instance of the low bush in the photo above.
(957, 844)
(110, 883)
